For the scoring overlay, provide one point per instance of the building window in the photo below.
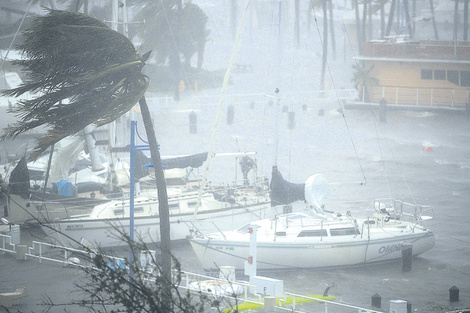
(439, 75)
(426, 74)
(465, 78)
(453, 77)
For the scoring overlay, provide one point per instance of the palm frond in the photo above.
(82, 73)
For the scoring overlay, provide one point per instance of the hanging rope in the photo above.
(397, 164)
(339, 103)
(16, 34)
(220, 107)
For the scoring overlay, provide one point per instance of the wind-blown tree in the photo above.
(193, 36)
(83, 73)
(181, 33)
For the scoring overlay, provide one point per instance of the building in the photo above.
(424, 73)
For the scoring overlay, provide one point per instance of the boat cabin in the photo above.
(419, 73)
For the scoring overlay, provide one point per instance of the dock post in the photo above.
(377, 301)
(193, 122)
(291, 121)
(21, 251)
(406, 256)
(467, 108)
(454, 294)
(383, 110)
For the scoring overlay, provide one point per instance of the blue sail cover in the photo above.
(284, 192)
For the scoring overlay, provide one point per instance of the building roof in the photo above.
(412, 60)
(455, 52)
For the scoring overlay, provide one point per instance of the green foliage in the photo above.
(82, 73)
(168, 28)
(362, 79)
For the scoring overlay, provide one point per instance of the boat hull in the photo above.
(105, 232)
(275, 255)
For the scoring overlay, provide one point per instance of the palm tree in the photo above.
(362, 80)
(83, 73)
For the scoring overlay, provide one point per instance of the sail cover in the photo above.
(194, 161)
(284, 192)
(19, 179)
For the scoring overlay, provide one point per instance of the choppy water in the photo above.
(396, 162)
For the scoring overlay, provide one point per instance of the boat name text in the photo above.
(389, 249)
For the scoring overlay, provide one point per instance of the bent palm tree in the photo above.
(83, 73)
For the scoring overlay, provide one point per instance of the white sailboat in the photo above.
(103, 224)
(318, 237)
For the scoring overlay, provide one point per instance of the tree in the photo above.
(362, 80)
(174, 31)
(83, 73)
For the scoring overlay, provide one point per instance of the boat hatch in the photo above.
(313, 233)
(293, 216)
(344, 231)
(281, 233)
(245, 228)
(138, 209)
(173, 205)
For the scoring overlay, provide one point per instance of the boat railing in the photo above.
(399, 210)
(197, 232)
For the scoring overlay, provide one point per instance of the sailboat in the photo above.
(317, 237)
(190, 210)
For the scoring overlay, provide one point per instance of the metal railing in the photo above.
(190, 281)
(419, 96)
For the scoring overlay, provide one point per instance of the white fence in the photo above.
(43, 251)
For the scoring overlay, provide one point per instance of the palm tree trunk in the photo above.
(358, 27)
(364, 22)
(408, 18)
(325, 45)
(297, 23)
(163, 209)
(382, 20)
(332, 28)
(465, 20)
(456, 19)
(431, 7)
(390, 17)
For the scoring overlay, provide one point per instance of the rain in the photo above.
(267, 90)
